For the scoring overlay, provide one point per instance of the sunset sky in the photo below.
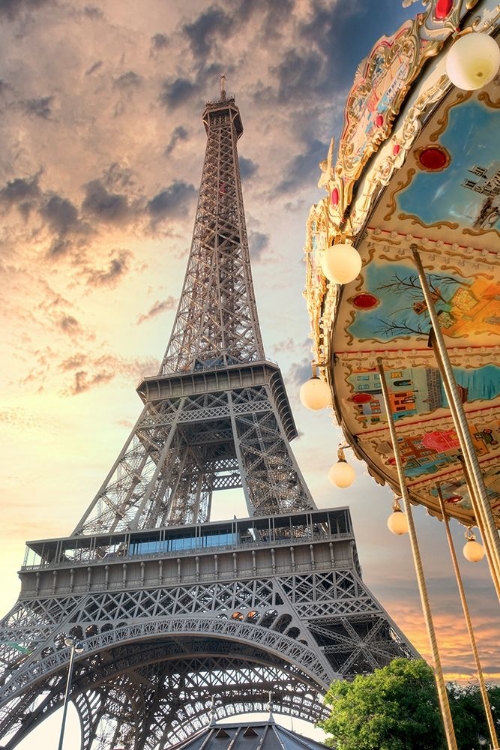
(102, 149)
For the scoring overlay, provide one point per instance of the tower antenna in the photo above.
(223, 87)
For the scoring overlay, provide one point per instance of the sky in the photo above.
(102, 150)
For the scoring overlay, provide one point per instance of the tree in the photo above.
(468, 715)
(396, 708)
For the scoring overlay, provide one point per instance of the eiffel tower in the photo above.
(182, 617)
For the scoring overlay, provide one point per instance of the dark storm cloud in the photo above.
(60, 214)
(11, 8)
(247, 168)
(157, 308)
(174, 93)
(299, 73)
(111, 208)
(129, 80)
(201, 33)
(40, 107)
(257, 243)
(173, 202)
(303, 169)
(180, 134)
(159, 41)
(20, 191)
(118, 267)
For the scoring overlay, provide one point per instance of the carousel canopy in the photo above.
(252, 736)
(417, 168)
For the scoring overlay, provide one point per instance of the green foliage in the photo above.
(396, 708)
(468, 714)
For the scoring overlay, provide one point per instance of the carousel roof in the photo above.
(418, 166)
(249, 736)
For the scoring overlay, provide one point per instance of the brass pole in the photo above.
(484, 514)
(465, 607)
(444, 703)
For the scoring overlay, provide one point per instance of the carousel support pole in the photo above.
(484, 512)
(444, 703)
(465, 607)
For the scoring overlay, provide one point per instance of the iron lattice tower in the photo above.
(180, 616)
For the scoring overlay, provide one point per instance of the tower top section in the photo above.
(224, 107)
(216, 323)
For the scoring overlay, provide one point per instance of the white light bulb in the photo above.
(473, 61)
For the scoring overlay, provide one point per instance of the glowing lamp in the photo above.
(397, 523)
(473, 551)
(341, 263)
(315, 394)
(341, 474)
(473, 61)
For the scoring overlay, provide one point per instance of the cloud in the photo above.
(118, 267)
(257, 243)
(159, 41)
(303, 168)
(12, 8)
(176, 92)
(93, 68)
(299, 372)
(173, 202)
(69, 325)
(297, 73)
(84, 382)
(21, 193)
(180, 134)
(40, 107)
(91, 11)
(60, 214)
(157, 308)
(95, 372)
(110, 208)
(202, 32)
(129, 80)
(247, 168)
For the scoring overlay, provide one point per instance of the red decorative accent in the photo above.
(361, 398)
(379, 121)
(441, 440)
(454, 499)
(365, 301)
(433, 158)
(335, 197)
(442, 9)
(396, 149)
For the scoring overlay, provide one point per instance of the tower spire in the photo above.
(223, 87)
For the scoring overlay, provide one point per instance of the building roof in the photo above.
(263, 735)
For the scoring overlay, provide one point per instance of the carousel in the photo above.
(403, 280)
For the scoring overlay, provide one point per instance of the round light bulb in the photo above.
(342, 475)
(315, 394)
(473, 61)
(341, 263)
(397, 523)
(473, 551)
